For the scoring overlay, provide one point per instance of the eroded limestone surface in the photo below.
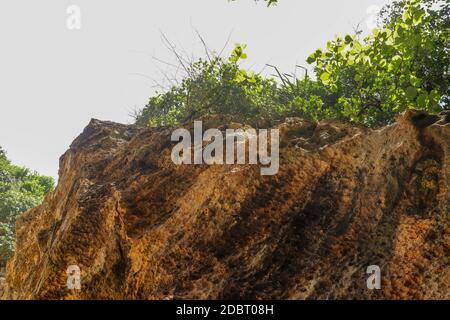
(140, 227)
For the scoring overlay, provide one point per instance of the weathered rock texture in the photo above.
(140, 227)
(2, 280)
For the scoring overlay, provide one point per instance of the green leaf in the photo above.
(348, 39)
(357, 47)
(411, 93)
(434, 94)
(415, 82)
(406, 16)
(311, 59)
(418, 17)
(391, 67)
(325, 76)
(422, 100)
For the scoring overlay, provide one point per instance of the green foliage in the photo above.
(20, 190)
(271, 2)
(215, 86)
(221, 86)
(404, 64)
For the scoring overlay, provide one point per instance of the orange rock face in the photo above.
(140, 227)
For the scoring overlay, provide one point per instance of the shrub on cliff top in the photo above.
(220, 86)
(20, 190)
(404, 63)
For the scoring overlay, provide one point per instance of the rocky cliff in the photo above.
(2, 281)
(140, 227)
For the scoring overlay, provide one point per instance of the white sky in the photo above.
(54, 80)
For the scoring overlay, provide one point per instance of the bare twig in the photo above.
(226, 43)
(172, 48)
(205, 47)
(304, 68)
(278, 72)
(165, 62)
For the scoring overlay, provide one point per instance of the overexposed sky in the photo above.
(54, 80)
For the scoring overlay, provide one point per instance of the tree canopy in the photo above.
(404, 63)
(20, 190)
